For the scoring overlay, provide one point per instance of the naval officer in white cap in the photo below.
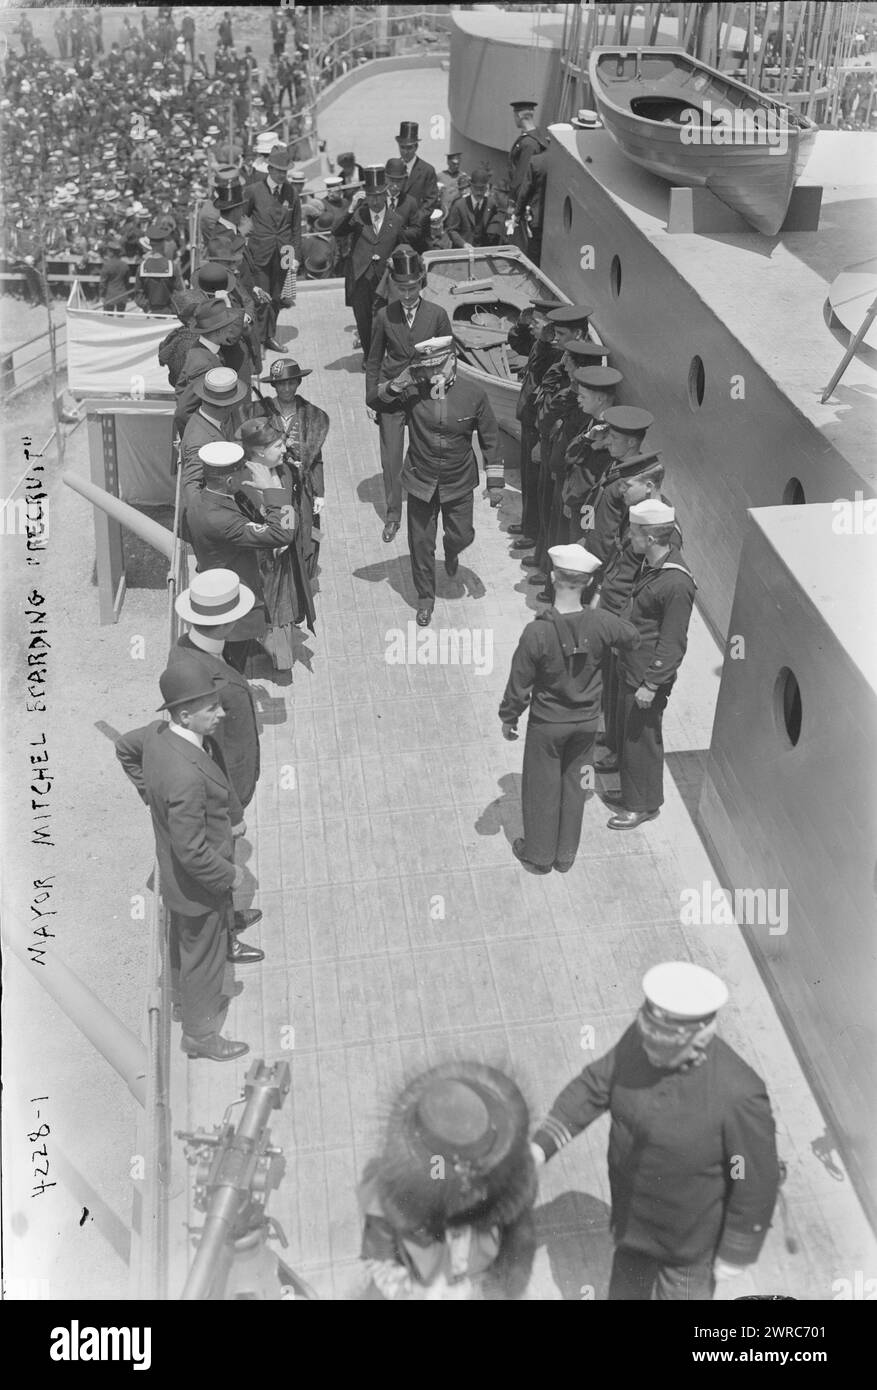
(693, 1167)
(556, 670)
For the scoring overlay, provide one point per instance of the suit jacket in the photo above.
(422, 186)
(193, 808)
(392, 346)
(199, 360)
(198, 432)
(238, 732)
(276, 220)
(368, 254)
(486, 227)
(229, 532)
(412, 219)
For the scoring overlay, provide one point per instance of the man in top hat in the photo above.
(659, 607)
(440, 470)
(114, 287)
(374, 234)
(641, 478)
(224, 216)
(542, 353)
(303, 427)
(693, 1168)
(556, 670)
(447, 1204)
(219, 325)
(179, 773)
(158, 277)
(221, 406)
(529, 143)
(228, 531)
(275, 239)
(405, 321)
(421, 182)
(621, 434)
(213, 603)
(476, 219)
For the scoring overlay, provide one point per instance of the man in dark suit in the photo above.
(218, 325)
(274, 208)
(407, 320)
(476, 219)
(421, 182)
(228, 532)
(440, 472)
(212, 605)
(179, 774)
(529, 143)
(693, 1167)
(403, 204)
(221, 407)
(374, 234)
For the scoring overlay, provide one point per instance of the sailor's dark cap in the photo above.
(571, 315)
(628, 419)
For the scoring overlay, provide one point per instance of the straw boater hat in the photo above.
(214, 597)
(220, 386)
(585, 119)
(474, 1118)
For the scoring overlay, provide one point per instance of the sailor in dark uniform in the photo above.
(621, 434)
(693, 1167)
(542, 353)
(158, 277)
(660, 609)
(530, 142)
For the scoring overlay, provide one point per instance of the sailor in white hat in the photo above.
(662, 600)
(556, 671)
(693, 1167)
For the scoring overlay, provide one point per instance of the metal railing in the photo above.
(11, 378)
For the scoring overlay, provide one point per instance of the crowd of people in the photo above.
(594, 668)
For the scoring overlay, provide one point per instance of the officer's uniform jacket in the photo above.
(440, 456)
(393, 343)
(238, 733)
(679, 1190)
(541, 357)
(276, 220)
(609, 510)
(193, 806)
(528, 144)
(659, 607)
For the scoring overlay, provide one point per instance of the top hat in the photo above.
(186, 680)
(374, 178)
(409, 132)
(406, 267)
(228, 195)
(286, 369)
(474, 1119)
(214, 597)
(220, 386)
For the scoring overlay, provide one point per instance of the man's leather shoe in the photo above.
(214, 1047)
(629, 820)
(613, 799)
(424, 617)
(523, 544)
(452, 564)
(246, 917)
(239, 954)
(607, 765)
(537, 577)
(544, 597)
(177, 1012)
(518, 852)
(563, 866)
(531, 562)
(515, 529)
(273, 346)
(389, 531)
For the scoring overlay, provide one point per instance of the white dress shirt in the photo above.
(188, 734)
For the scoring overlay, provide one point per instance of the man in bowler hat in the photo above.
(179, 774)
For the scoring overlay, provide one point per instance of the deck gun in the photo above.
(237, 1168)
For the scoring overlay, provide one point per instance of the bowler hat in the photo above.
(374, 178)
(286, 369)
(406, 267)
(318, 260)
(185, 681)
(279, 158)
(480, 178)
(456, 1145)
(211, 277)
(220, 386)
(214, 597)
(214, 315)
(396, 168)
(348, 157)
(409, 131)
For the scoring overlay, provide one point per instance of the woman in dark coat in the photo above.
(285, 580)
(304, 428)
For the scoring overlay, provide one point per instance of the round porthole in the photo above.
(787, 706)
(567, 213)
(793, 493)
(615, 277)
(696, 383)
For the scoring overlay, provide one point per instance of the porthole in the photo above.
(567, 213)
(696, 383)
(787, 706)
(793, 493)
(615, 277)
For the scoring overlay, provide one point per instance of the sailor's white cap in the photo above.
(652, 512)
(684, 991)
(221, 454)
(574, 558)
